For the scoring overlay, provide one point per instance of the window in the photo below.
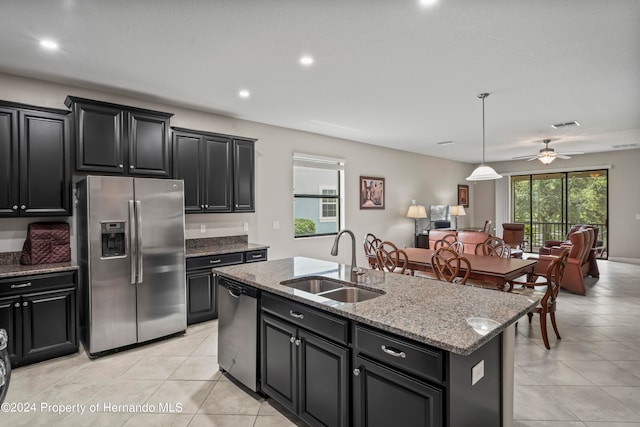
(317, 195)
(550, 204)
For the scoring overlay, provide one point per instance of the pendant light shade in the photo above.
(483, 172)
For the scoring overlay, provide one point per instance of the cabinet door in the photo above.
(9, 202)
(99, 138)
(383, 397)
(217, 174)
(148, 145)
(49, 324)
(243, 176)
(278, 361)
(201, 297)
(324, 381)
(187, 165)
(11, 322)
(45, 183)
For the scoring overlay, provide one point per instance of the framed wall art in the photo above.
(371, 192)
(463, 195)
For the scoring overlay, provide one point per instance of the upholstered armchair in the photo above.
(580, 246)
(553, 247)
(435, 235)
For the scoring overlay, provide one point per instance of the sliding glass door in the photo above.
(550, 204)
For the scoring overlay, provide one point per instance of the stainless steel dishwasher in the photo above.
(238, 331)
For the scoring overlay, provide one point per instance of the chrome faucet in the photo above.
(355, 271)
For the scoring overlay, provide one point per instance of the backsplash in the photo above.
(10, 258)
(215, 241)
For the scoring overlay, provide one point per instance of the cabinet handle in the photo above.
(296, 314)
(17, 304)
(215, 261)
(292, 340)
(21, 285)
(130, 166)
(120, 166)
(297, 342)
(23, 207)
(206, 206)
(14, 207)
(202, 206)
(24, 304)
(237, 205)
(394, 352)
(256, 256)
(356, 372)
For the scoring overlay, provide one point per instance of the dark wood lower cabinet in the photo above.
(385, 397)
(306, 373)
(39, 314)
(201, 294)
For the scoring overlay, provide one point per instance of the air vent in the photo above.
(564, 125)
(445, 143)
(626, 146)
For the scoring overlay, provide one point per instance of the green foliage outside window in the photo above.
(303, 227)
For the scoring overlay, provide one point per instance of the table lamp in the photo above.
(416, 212)
(457, 211)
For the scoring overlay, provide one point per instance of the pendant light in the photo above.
(483, 172)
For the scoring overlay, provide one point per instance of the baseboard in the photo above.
(627, 260)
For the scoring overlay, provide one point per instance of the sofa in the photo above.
(580, 243)
(469, 239)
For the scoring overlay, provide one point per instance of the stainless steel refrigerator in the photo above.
(131, 256)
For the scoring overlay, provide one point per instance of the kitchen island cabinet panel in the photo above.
(278, 356)
(202, 297)
(385, 397)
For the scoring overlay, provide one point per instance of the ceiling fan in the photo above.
(547, 155)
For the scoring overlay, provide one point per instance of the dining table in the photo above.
(485, 269)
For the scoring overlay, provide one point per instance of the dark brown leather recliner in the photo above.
(580, 246)
(553, 247)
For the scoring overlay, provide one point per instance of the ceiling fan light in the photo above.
(546, 159)
(483, 173)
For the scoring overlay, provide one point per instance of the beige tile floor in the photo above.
(589, 378)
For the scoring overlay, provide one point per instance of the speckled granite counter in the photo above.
(428, 311)
(10, 266)
(219, 246)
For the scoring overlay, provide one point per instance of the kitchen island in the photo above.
(451, 345)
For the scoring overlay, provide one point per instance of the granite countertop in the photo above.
(424, 310)
(219, 246)
(16, 270)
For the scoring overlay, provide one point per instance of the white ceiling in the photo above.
(390, 73)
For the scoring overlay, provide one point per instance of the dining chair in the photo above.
(447, 263)
(392, 259)
(371, 243)
(547, 305)
(449, 241)
(494, 246)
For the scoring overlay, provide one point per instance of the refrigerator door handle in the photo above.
(139, 240)
(133, 250)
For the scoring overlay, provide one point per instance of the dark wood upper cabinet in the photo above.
(118, 139)
(34, 161)
(217, 169)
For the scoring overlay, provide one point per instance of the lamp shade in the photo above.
(483, 173)
(457, 210)
(416, 211)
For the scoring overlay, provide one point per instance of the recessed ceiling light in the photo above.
(427, 2)
(306, 60)
(49, 44)
(244, 93)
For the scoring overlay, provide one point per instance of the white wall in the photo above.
(408, 176)
(624, 194)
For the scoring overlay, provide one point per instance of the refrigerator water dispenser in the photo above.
(112, 239)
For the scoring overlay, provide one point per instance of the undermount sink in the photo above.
(332, 289)
(351, 294)
(313, 285)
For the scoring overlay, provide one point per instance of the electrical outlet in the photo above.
(245, 226)
(477, 372)
(276, 225)
(203, 228)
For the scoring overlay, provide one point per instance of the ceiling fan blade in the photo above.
(533, 158)
(562, 156)
(570, 153)
(529, 157)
